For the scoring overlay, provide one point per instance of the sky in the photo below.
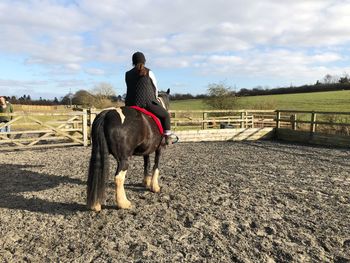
(49, 48)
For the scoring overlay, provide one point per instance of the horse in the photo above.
(123, 132)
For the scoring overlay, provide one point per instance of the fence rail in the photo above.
(315, 127)
(221, 119)
(48, 129)
(314, 119)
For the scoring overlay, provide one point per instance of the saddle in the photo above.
(154, 117)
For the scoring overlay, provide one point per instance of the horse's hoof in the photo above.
(147, 182)
(124, 205)
(96, 207)
(155, 189)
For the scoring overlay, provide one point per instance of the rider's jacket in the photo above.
(140, 89)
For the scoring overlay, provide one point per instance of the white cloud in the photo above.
(326, 57)
(282, 64)
(172, 62)
(73, 66)
(7, 83)
(95, 71)
(72, 83)
(247, 38)
(224, 60)
(10, 87)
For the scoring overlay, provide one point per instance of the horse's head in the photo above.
(164, 99)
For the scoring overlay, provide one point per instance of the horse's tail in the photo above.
(99, 165)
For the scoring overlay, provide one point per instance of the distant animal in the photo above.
(123, 132)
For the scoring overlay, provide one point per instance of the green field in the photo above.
(318, 101)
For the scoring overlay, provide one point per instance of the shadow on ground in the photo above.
(17, 179)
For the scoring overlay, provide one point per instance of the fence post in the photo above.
(278, 117)
(175, 121)
(293, 120)
(242, 120)
(204, 123)
(313, 123)
(85, 128)
(92, 116)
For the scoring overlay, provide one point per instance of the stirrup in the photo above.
(171, 137)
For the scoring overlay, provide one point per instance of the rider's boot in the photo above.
(170, 138)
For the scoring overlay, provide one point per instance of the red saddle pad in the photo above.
(154, 117)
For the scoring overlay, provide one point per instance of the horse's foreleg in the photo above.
(120, 197)
(154, 182)
(147, 179)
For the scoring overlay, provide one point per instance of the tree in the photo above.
(13, 99)
(329, 79)
(105, 95)
(84, 98)
(66, 100)
(104, 90)
(345, 79)
(220, 97)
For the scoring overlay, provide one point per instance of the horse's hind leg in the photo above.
(119, 179)
(154, 182)
(147, 179)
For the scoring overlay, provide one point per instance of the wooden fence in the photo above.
(219, 125)
(315, 127)
(222, 119)
(41, 108)
(34, 129)
(38, 129)
(326, 128)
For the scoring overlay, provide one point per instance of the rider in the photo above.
(142, 91)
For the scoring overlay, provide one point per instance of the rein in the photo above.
(161, 101)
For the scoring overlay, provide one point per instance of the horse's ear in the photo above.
(168, 91)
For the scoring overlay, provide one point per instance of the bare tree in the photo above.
(104, 90)
(220, 97)
(329, 79)
(345, 78)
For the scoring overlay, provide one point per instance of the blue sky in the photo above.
(51, 47)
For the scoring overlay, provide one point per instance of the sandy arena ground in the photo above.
(219, 202)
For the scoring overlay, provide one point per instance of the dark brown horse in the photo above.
(122, 132)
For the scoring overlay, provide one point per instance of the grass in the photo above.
(318, 101)
(194, 104)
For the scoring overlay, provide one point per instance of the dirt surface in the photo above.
(220, 202)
